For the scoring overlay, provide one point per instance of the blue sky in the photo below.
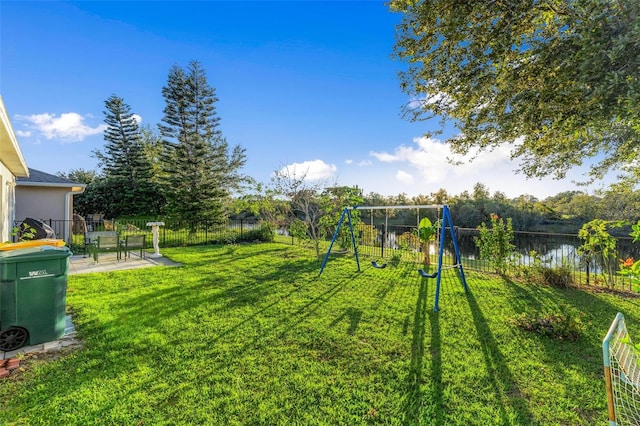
(304, 84)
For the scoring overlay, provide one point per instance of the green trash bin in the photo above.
(33, 292)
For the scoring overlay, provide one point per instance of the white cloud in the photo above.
(430, 159)
(426, 165)
(348, 161)
(384, 157)
(23, 133)
(423, 167)
(68, 127)
(365, 163)
(137, 118)
(311, 170)
(404, 177)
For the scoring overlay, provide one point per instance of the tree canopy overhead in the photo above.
(559, 80)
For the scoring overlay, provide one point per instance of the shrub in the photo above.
(299, 229)
(264, 233)
(496, 243)
(559, 276)
(408, 241)
(427, 233)
(598, 244)
(24, 232)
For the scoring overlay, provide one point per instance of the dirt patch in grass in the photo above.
(606, 290)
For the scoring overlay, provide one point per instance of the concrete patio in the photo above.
(79, 264)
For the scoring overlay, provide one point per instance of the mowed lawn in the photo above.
(250, 335)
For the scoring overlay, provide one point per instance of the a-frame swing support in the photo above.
(447, 222)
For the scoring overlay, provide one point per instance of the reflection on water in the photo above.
(551, 249)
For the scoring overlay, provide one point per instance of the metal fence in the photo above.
(548, 250)
(172, 234)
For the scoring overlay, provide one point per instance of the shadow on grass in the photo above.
(414, 398)
(500, 377)
(255, 289)
(389, 280)
(436, 367)
(354, 315)
(208, 255)
(259, 284)
(279, 330)
(595, 311)
(585, 299)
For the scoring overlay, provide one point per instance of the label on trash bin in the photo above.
(42, 273)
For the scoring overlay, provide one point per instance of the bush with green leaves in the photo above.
(24, 232)
(427, 232)
(408, 241)
(559, 276)
(267, 232)
(599, 245)
(299, 229)
(496, 243)
(555, 276)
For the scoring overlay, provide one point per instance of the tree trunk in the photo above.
(587, 264)
(426, 246)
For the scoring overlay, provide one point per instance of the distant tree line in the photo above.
(564, 212)
(312, 211)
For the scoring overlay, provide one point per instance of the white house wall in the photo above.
(7, 213)
(12, 164)
(41, 203)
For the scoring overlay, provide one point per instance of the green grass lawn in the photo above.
(250, 335)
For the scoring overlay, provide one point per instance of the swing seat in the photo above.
(376, 265)
(425, 275)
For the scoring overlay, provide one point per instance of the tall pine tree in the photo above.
(199, 171)
(127, 170)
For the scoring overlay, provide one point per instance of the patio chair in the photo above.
(133, 242)
(91, 239)
(105, 244)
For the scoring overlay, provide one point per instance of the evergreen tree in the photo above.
(127, 170)
(199, 171)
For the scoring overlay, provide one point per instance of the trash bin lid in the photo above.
(32, 243)
(32, 253)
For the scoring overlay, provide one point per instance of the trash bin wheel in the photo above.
(13, 338)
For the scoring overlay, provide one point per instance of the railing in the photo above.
(378, 242)
(173, 234)
(543, 250)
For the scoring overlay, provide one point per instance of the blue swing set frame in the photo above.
(447, 223)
